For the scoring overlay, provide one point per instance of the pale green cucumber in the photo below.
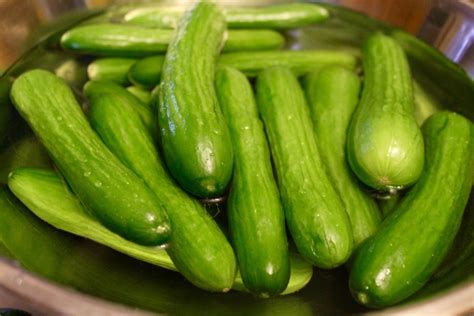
(113, 69)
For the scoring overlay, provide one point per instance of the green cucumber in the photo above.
(141, 94)
(333, 94)
(49, 198)
(282, 17)
(113, 69)
(388, 203)
(414, 239)
(146, 72)
(116, 196)
(197, 246)
(256, 216)
(27, 152)
(135, 41)
(384, 142)
(314, 212)
(194, 136)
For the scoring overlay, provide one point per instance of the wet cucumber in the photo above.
(256, 216)
(146, 72)
(115, 195)
(414, 238)
(135, 41)
(333, 94)
(194, 136)
(197, 246)
(384, 142)
(113, 69)
(284, 16)
(314, 212)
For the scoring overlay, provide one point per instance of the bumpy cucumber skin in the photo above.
(333, 94)
(314, 212)
(117, 197)
(414, 238)
(134, 41)
(384, 143)
(147, 71)
(256, 216)
(282, 17)
(194, 136)
(113, 69)
(197, 246)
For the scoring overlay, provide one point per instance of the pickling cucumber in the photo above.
(414, 238)
(197, 246)
(113, 69)
(115, 195)
(283, 16)
(194, 136)
(384, 143)
(141, 94)
(314, 212)
(256, 216)
(146, 71)
(134, 41)
(333, 94)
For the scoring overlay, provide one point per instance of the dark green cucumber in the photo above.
(141, 94)
(113, 69)
(333, 94)
(194, 136)
(384, 143)
(146, 72)
(256, 217)
(284, 16)
(197, 246)
(414, 239)
(135, 41)
(119, 199)
(314, 212)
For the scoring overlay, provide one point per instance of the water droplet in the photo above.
(98, 184)
(87, 173)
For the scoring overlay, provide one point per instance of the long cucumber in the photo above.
(116, 196)
(256, 216)
(194, 136)
(134, 41)
(283, 16)
(333, 94)
(197, 246)
(314, 212)
(415, 237)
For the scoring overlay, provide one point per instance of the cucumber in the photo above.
(49, 198)
(314, 212)
(197, 246)
(413, 240)
(113, 69)
(194, 136)
(384, 142)
(141, 94)
(282, 17)
(256, 216)
(333, 94)
(134, 41)
(116, 196)
(389, 203)
(146, 72)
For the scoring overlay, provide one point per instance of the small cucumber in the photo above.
(194, 136)
(314, 212)
(283, 17)
(119, 199)
(135, 41)
(256, 217)
(414, 238)
(141, 94)
(197, 246)
(146, 72)
(333, 94)
(48, 197)
(113, 69)
(384, 142)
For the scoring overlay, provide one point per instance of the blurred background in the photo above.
(446, 24)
